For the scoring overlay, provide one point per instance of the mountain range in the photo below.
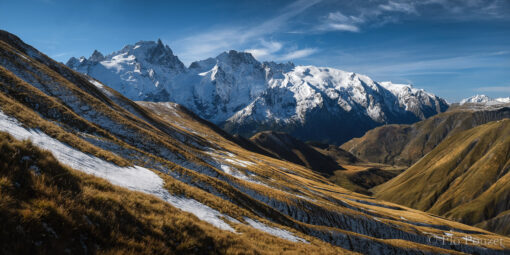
(245, 96)
(84, 169)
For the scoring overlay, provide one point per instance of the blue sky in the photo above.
(453, 48)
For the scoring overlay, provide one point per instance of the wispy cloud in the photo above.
(381, 12)
(266, 49)
(342, 27)
(392, 6)
(298, 54)
(213, 41)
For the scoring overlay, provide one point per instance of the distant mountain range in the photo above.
(483, 99)
(245, 96)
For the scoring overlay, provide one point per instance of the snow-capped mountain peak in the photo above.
(245, 96)
(96, 56)
(483, 99)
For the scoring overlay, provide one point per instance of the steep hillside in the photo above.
(406, 144)
(465, 178)
(284, 146)
(244, 96)
(340, 155)
(178, 165)
(55, 209)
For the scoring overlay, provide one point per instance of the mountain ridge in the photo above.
(237, 92)
(466, 177)
(406, 144)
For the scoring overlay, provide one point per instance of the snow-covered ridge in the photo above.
(483, 99)
(237, 91)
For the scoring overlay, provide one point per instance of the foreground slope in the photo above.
(465, 178)
(186, 165)
(245, 96)
(406, 144)
(55, 209)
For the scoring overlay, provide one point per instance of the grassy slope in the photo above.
(283, 146)
(406, 144)
(55, 209)
(464, 178)
(185, 120)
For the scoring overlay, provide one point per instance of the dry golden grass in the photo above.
(464, 178)
(55, 209)
(406, 144)
(300, 177)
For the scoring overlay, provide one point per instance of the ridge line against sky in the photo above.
(453, 48)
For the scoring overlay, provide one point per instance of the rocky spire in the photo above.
(96, 56)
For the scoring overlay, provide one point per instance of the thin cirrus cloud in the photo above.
(297, 54)
(266, 49)
(216, 40)
(398, 7)
(273, 50)
(381, 12)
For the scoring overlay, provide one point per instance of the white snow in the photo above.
(234, 87)
(274, 231)
(96, 83)
(485, 100)
(239, 162)
(134, 178)
(235, 173)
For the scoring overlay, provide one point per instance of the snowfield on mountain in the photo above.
(245, 96)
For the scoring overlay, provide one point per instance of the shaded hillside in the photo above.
(54, 208)
(283, 146)
(336, 152)
(465, 178)
(173, 163)
(361, 178)
(406, 144)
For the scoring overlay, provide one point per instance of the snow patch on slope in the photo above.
(134, 178)
(274, 231)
